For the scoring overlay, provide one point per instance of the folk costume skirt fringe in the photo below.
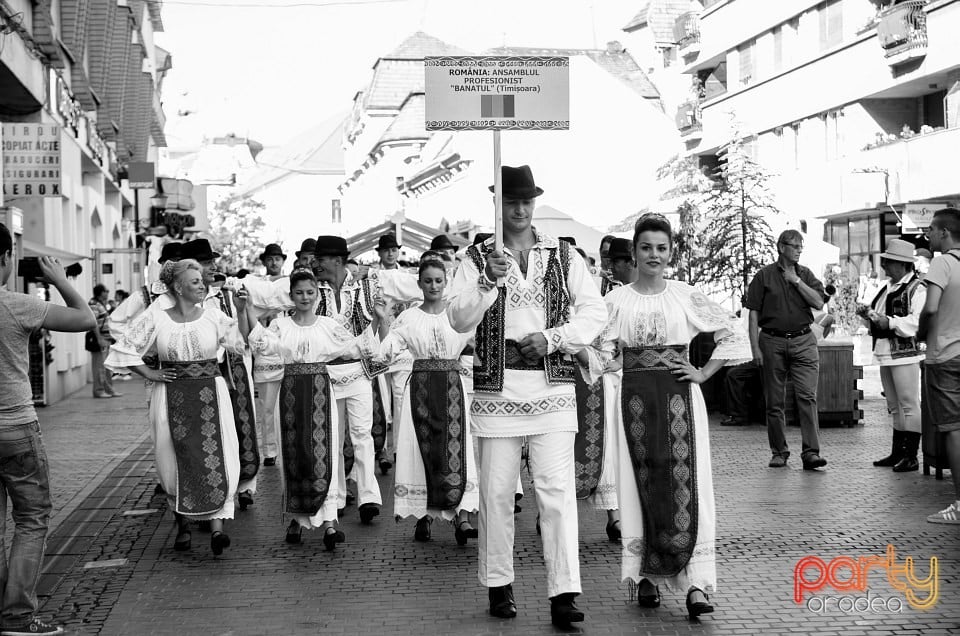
(667, 508)
(195, 441)
(309, 444)
(436, 469)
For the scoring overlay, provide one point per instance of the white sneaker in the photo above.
(950, 514)
(35, 626)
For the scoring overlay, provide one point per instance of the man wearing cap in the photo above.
(389, 251)
(893, 317)
(782, 298)
(268, 369)
(444, 246)
(526, 333)
(273, 259)
(305, 256)
(236, 370)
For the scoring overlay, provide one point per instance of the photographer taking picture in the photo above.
(23, 461)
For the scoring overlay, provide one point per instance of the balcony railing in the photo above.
(902, 31)
(688, 120)
(686, 32)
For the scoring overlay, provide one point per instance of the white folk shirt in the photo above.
(528, 404)
(903, 326)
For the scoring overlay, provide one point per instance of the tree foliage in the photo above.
(737, 240)
(236, 225)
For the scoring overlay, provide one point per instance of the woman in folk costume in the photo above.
(664, 477)
(309, 434)
(436, 472)
(195, 438)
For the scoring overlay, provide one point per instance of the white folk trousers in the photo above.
(551, 464)
(356, 411)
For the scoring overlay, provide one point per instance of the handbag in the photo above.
(91, 342)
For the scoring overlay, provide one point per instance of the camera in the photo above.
(29, 268)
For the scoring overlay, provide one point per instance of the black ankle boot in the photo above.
(908, 461)
(896, 451)
(502, 604)
(563, 612)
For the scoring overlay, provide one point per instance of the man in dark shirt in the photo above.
(781, 300)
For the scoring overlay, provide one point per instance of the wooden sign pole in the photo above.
(497, 198)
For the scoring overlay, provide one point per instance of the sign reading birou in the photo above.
(497, 93)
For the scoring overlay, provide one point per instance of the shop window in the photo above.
(831, 24)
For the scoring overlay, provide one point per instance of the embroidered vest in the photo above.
(356, 319)
(898, 303)
(490, 349)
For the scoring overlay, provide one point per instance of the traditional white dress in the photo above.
(672, 317)
(320, 342)
(154, 332)
(426, 336)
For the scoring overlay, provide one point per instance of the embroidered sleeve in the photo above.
(123, 314)
(733, 342)
(468, 299)
(588, 313)
(228, 334)
(138, 340)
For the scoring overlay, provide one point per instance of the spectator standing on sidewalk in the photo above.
(23, 461)
(893, 318)
(940, 328)
(98, 343)
(781, 299)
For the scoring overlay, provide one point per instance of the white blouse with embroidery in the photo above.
(425, 336)
(155, 332)
(322, 341)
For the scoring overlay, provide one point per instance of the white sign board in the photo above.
(917, 216)
(497, 93)
(31, 160)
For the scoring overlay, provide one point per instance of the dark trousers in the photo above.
(799, 360)
(744, 385)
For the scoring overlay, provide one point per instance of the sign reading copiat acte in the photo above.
(497, 93)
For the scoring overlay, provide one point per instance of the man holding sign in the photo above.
(527, 330)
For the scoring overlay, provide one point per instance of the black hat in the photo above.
(569, 239)
(620, 248)
(442, 242)
(198, 250)
(387, 241)
(307, 247)
(331, 246)
(480, 237)
(170, 252)
(273, 250)
(518, 183)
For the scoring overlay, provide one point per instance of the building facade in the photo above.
(854, 104)
(90, 68)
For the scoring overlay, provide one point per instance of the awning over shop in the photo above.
(66, 258)
(415, 236)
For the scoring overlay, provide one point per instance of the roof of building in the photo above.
(400, 72)
(416, 236)
(615, 59)
(409, 125)
(660, 16)
(316, 151)
(420, 45)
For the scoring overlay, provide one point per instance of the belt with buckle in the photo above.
(786, 334)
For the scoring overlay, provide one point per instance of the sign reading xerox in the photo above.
(497, 93)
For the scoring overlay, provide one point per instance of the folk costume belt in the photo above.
(513, 360)
(428, 364)
(304, 368)
(194, 369)
(785, 334)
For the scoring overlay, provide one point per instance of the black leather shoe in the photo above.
(700, 607)
(368, 511)
(385, 466)
(219, 541)
(331, 537)
(906, 465)
(270, 461)
(245, 499)
(502, 604)
(422, 532)
(613, 531)
(462, 530)
(563, 612)
(813, 462)
(294, 531)
(644, 598)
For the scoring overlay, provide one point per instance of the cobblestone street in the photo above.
(112, 572)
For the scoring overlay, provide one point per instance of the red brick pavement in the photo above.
(381, 582)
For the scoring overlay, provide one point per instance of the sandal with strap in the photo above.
(331, 537)
(463, 531)
(695, 609)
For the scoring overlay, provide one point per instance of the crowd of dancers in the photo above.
(449, 375)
